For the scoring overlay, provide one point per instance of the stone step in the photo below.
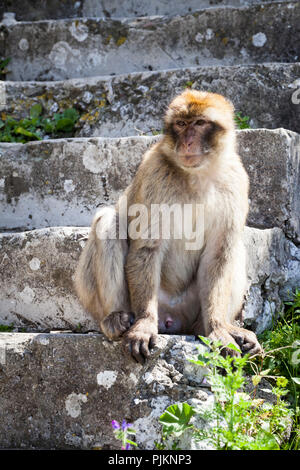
(37, 269)
(135, 103)
(61, 391)
(63, 182)
(61, 49)
(34, 10)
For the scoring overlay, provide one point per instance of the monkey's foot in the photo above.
(116, 324)
(245, 340)
(140, 339)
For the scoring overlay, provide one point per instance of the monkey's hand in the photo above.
(116, 323)
(140, 339)
(245, 340)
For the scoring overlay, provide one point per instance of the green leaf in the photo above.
(206, 341)
(2, 124)
(202, 361)
(233, 346)
(256, 379)
(266, 441)
(296, 380)
(131, 431)
(4, 63)
(131, 442)
(36, 110)
(4, 328)
(264, 372)
(22, 131)
(72, 114)
(177, 417)
(48, 125)
(64, 124)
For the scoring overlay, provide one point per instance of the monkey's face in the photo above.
(194, 140)
(196, 126)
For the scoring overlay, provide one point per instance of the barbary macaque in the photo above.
(145, 281)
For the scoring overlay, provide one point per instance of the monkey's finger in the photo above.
(144, 349)
(136, 351)
(127, 349)
(239, 338)
(252, 348)
(153, 341)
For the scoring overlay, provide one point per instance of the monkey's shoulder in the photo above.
(156, 180)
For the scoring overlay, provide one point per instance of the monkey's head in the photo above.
(199, 126)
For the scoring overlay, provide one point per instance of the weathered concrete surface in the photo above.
(273, 274)
(34, 10)
(36, 275)
(63, 182)
(56, 50)
(135, 103)
(272, 161)
(61, 391)
(37, 269)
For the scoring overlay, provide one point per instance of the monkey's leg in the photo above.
(246, 339)
(215, 279)
(100, 279)
(143, 268)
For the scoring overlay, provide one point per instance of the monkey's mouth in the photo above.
(192, 159)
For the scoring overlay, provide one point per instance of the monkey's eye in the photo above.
(200, 122)
(180, 123)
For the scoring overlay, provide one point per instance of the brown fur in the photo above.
(196, 163)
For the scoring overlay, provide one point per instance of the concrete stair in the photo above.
(34, 10)
(134, 104)
(119, 65)
(37, 269)
(62, 49)
(59, 182)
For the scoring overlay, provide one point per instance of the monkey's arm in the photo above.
(216, 278)
(143, 268)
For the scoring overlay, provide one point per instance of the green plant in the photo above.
(282, 356)
(3, 64)
(6, 328)
(35, 127)
(121, 432)
(188, 84)
(156, 131)
(242, 122)
(237, 420)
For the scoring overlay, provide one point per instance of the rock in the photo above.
(63, 182)
(87, 47)
(53, 393)
(273, 273)
(121, 107)
(272, 162)
(37, 272)
(55, 388)
(34, 10)
(37, 269)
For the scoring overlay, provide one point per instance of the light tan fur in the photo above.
(194, 163)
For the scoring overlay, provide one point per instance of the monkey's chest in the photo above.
(179, 267)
